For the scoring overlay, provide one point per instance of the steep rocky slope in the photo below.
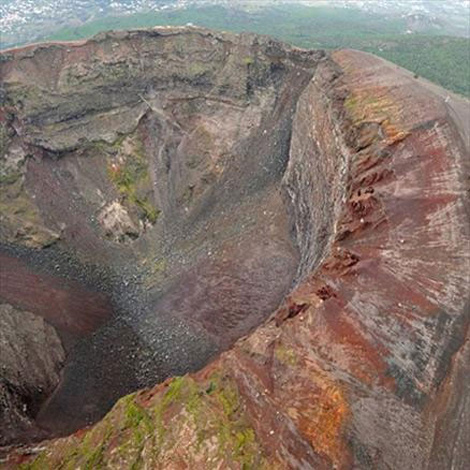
(141, 209)
(183, 182)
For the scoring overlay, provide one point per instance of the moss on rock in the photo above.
(185, 421)
(128, 171)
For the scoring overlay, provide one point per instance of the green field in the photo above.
(442, 59)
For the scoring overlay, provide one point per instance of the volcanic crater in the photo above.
(143, 211)
(173, 193)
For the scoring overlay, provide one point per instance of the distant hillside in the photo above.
(26, 21)
(442, 59)
(415, 40)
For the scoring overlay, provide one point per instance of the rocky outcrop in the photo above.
(363, 365)
(32, 357)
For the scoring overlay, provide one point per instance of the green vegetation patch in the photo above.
(87, 453)
(130, 175)
(285, 355)
(216, 414)
(143, 430)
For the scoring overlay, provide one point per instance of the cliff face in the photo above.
(364, 363)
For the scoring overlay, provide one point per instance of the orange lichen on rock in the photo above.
(375, 105)
(321, 416)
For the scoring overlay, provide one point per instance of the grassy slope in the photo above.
(444, 60)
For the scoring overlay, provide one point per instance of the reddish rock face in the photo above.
(364, 364)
